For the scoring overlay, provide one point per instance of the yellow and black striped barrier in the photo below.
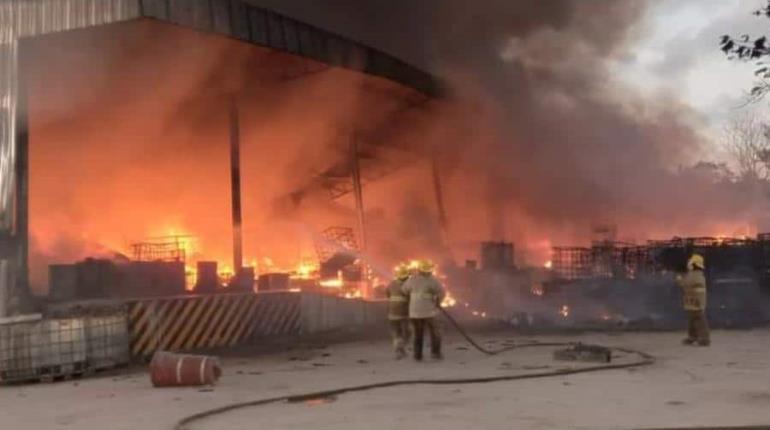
(200, 322)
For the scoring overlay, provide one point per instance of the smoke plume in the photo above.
(535, 141)
(541, 144)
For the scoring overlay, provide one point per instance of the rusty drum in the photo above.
(178, 370)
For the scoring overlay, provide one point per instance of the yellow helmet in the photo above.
(426, 267)
(696, 261)
(401, 272)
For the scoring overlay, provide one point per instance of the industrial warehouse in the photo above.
(282, 214)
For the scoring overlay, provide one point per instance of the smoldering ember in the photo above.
(232, 214)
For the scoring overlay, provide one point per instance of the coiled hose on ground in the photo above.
(644, 360)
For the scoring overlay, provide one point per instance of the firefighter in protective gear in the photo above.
(398, 310)
(693, 285)
(425, 296)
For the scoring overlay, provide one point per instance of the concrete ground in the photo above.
(724, 385)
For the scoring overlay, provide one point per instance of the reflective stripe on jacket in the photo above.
(398, 306)
(425, 294)
(693, 286)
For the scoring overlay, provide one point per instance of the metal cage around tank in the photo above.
(33, 348)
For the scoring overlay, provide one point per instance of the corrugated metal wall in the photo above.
(24, 18)
(19, 19)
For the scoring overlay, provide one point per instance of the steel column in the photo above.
(235, 183)
(439, 191)
(20, 289)
(358, 190)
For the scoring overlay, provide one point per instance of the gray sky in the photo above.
(674, 55)
(677, 55)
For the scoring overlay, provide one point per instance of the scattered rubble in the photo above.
(585, 353)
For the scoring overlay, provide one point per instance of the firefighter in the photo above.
(425, 296)
(398, 310)
(693, 285)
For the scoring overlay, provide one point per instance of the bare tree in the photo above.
(747, 139)
(746, 48)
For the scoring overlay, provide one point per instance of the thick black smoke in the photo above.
(534, 143)
(544, 140)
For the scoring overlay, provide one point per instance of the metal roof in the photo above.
(244, 21)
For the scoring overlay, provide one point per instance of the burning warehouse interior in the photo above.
(168, 160)
(208, 182)
(186, 176)
(277, 160)
(212, 182)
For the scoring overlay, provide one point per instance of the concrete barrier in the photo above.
(201, 322)
(82, 336)
(324, 313)
(189, 323)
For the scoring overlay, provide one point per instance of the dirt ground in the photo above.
(724, 385)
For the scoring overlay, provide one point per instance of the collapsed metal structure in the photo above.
(640, 280)
(626, 261)
(612, 285)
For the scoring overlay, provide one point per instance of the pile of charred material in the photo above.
(613, 285)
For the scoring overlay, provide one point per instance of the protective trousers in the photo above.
(697, 327)
(399, 333)
(419, 325)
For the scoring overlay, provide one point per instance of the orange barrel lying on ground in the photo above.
(177, 370)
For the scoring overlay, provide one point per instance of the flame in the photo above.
(332, 283)
(191, 276)
(266, 265)
(305, 270)
(537, 290)
(337, 282)
(353, 295)
(481, 314)
(548, 264)
(449, 301)
(225, 274)
(564, 311)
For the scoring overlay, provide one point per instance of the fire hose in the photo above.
(469, 339)
(645, 360)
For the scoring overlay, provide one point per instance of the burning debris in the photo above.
(155, 257)
(621, 286)
(175, 175)
(449, 301)
(537, 289)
